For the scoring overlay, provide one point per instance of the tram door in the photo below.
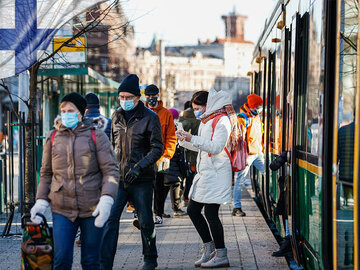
(345, 182)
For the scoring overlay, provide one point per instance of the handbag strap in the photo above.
(213, 125)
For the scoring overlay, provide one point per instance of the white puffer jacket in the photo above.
(212, 183)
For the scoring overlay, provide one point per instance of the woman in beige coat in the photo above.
(79, 180)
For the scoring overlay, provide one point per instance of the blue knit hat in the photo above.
(130, 84)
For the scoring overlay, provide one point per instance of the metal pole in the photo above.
(161, 72)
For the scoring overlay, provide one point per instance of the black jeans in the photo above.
(202, 227)
(141, 195)
(160, 194)
(188, 184)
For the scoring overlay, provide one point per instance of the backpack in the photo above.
(55, 131)
(238, 156)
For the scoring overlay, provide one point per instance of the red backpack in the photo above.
(238, 156)
(54, 133)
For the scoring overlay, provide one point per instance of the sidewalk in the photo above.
(249, 242)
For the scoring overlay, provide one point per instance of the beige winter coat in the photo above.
(75, 172)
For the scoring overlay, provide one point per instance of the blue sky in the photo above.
(184, 22)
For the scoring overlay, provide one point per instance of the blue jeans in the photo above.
(64, 231)
(240, 177)
(141, 195)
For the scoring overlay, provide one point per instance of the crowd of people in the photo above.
(93, 167)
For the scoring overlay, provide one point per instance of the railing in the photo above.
(12, 163)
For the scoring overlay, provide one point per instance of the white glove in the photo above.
(166, 163)
(39, 207)
(102, 210)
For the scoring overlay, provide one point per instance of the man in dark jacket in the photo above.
(93, 111)
(137, 141)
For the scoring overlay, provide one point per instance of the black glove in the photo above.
(132, 175)
(278, 161)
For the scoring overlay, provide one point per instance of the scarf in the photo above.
(236, 134)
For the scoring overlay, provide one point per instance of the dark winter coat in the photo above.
(175, 173)
(75, 171)
(191, 125)
(137, 142)
(102, 122)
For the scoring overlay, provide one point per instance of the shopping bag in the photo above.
(37, 245)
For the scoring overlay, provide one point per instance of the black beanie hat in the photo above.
(92, 101)
(130, 84)
(77, 100)
(151, 90)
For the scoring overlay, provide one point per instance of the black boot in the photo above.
(285, 248)
(237, 212)
(149, 265)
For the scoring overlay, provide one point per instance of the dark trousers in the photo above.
(175, 196)
(64, 231)
(141, 195)
(202, 227)
(188, 185)
(161, 192)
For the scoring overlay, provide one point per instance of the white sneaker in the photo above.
(158, 220)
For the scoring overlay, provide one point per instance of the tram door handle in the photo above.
(288, 170)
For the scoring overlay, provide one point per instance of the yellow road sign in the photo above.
(76, 45)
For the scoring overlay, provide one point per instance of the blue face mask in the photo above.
(198, 113)
(127, 105)
(69, 120)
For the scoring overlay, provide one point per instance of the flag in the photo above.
(28, 26)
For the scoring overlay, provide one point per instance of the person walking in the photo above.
(79, 180)
(191, 124)
(174, 177)
(93, 111)
(249, 118)
(136, 138)
(212, 183)
(169, 142)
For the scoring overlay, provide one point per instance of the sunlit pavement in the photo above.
(249, 242)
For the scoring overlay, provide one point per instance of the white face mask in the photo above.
(260, 110)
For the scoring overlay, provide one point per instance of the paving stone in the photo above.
(248, 239)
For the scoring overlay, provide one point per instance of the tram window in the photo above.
(345, 148)
(301, 87)
(315, 89)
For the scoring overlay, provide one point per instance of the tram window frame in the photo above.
(315, 83)
(271, 97)
(301, 61)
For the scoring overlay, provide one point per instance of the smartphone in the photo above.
(179, 126)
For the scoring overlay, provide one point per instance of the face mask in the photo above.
(254, 112)
(152, 101)
(259, 110)
(198, 113)
(69, 120)
(127, 105)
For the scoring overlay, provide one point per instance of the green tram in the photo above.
(307, 69)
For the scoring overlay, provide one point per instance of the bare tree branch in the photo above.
(87, 28)
(3, 85)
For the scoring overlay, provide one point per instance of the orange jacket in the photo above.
(167, 130)
(253, 132)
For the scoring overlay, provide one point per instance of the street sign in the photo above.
(72, 53)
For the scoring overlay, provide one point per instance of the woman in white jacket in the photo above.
(212, 184)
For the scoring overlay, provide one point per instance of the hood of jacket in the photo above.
(216, 100)
(188, 114)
